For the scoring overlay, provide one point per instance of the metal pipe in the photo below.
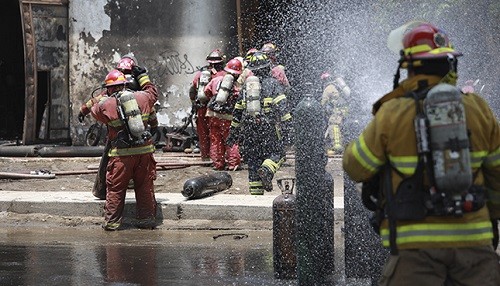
(71, 151)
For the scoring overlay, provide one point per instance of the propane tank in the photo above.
(253, 89)
(342, 86)
(132, 113)
(284, 231)
(207, 185)
(203, 81)
(449, 142)
(225, 88)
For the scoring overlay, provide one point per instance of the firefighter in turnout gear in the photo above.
(222, 93)
(245, 73)
(125, 65)
(334, 100)
(277, 70)
(434, 201)
(126, 113)
(261, 124)
(215, 68)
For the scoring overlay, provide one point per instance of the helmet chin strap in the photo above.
(395, 82)
(452, 61)
(451, 77)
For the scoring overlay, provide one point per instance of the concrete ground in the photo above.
(71, 204)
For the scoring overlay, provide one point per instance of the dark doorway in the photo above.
(43, 104)
(12, 84)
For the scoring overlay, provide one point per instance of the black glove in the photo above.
(153, 131)
(81, 117)
(137, 71)
(494, 224)
(369, 193)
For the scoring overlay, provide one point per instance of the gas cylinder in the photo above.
(203, 81)
(284, 231)
(253, 87)
(449, 141)
(225, 88)
(132, 113)
(342, 86)
(207, 185)
(314, 211)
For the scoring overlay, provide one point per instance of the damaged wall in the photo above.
(50, 26)
(170, 38)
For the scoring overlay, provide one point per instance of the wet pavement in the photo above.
(76, 256)
(36, 250)
(135, 257)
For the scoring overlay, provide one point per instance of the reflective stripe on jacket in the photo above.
(106, 112)
(390, 138)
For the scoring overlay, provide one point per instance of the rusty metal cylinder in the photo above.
(207, 185)
(284, 232)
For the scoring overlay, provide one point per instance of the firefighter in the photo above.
(277, 70)
(432, 236)
(261, 124)
(334, 100)
(125, 65)
(222, 93)
(126, 113)
(214, 68)
(245, 73)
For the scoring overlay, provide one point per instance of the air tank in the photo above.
(225, 89)
(132, 113)
(203, 81)
(206, 185)
(449, 141)
(253, 88)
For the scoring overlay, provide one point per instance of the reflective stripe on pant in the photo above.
(203, 131)
(457, 266)
(219, 151)
(337, 138)
(120, 170)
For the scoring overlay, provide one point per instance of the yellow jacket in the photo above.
(390, 137)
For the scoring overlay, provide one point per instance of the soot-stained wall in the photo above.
(170, 38)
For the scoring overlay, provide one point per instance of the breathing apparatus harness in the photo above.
(224, 101)
(134, 132)
(443, 159)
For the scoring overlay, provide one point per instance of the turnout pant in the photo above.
(120, 170)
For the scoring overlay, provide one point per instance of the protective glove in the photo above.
(494, 224)
(153, 130)
(81, 117)
(141, 75)
(369, 193)
(137, 71)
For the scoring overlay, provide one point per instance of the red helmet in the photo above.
(426, 41)
(234, 66)
(126, 63)
(115, 77)
(251, 52)
(269, 48)
(216, 56)
(325, 75)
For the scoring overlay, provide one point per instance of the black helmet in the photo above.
(258, 60)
